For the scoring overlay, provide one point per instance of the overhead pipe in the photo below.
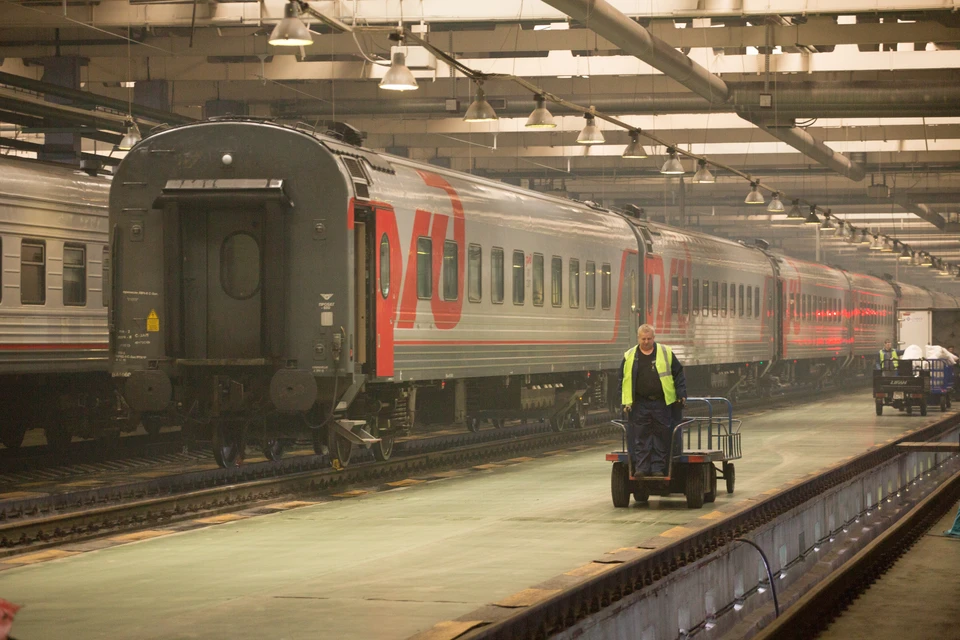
(606, 21)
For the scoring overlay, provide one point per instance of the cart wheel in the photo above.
(620, 485)
(473, 424)
(879, 407)
(641, 493)
(909, 409)
(923, 408)
(943, 403)
(730, 475)
(694, 488)
(711, 495)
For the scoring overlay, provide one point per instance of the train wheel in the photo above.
(227, 443)
(384, 449)
(620, 485)
(923, 408)
(879, 407)
(579, 415)
(273, 449)
(12, 436)
(342, 449)
(58, 436)
(730, 475)
(711, 495)
(473, 424)
(694, 487)
(641, 493)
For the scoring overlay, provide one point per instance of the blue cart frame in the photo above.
(696, 446)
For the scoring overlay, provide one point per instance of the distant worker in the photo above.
(888, 356)
(653, 390)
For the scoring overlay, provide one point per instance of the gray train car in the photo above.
(266, 297)
(926, 317)
(53, 308)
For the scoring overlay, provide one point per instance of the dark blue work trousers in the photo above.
(648, 437)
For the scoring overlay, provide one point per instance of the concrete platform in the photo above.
(919, 597)
(390, 564)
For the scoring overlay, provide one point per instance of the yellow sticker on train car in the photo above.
(153, 321)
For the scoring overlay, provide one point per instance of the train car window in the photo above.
(674, 294)
(74, 275)
(104, 278)
(33, 274)
(740, 304)
(605, 286)
(538, 279)
(556, 281)
(574, 283)
(424, 268)
(474, 282)
(705, 297)
(384, 265)
(685, 297)
(591, 284)
(451, 268)
(696, 296)
(240, 266)
(518, 278)
(733, 300)
(769, 303)
(749, 302)
(496, 275)
(756, 302)
(716, 298)
(723, 299)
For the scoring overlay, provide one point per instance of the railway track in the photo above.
(30, 523)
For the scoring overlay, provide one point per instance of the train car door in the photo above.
(387, 267)
(222, 274)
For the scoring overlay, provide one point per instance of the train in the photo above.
(274, 283)
(54, 364)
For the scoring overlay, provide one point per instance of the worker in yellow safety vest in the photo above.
(653, 391)
(888, 356)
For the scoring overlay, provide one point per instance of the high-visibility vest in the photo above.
(664, 362)
(893, 356)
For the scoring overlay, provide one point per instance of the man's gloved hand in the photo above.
(625, 409)
(682, 401)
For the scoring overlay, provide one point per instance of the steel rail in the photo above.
(564, 609)
(77, 517)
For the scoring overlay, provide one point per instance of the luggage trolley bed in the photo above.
(696, 446)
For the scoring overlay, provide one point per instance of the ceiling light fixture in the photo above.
(540, 117)
(927, 260)
(590, 134)
(480, 110)
(795, 213)
(905, 255)
(827, 226)
(398, 77)
(290, 31)
(672, 167)
(775, 205)
(754, 197)
(876, 244)
(131, 138)
(865, 238)
(703, 175)
(634, 148)
(812, 216)
(887, 246)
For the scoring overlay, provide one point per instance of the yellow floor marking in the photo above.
(558, 452)
(490, 465)
(526, 597)
(714, 515)
(405, 483)
(16, 495)
(225, 517)
(350, 494)
(523, 459)
(40, 556)
(676, 532)
(83, 483)
(448, 630)
(591, 569)
(305, 452)
(140, 535)
(447, 474)
(151, 474)
(293, 504)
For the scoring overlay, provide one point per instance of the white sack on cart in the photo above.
(912, 352)
(936, 352)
